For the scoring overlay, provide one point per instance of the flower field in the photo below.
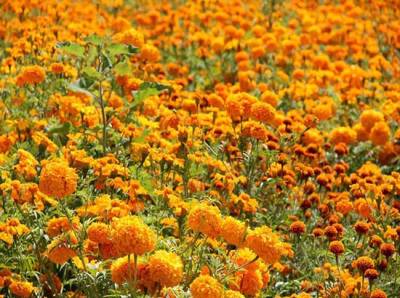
(200, 148)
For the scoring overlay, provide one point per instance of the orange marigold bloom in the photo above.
(263, 112)
(380, 133)
(99, 233)
(131, 37)
(249, 282)
(343, 135)
(131, 236)
(58, 179)
(266, 244)
(229, 225)
(206, 286)
(31, 75)
(205, 219)
(165, 268)
(378, 293)
(57, 226)
(21, 289)
(60, 254)
(361, 227)
(298, 227)
(387, 249)
(368, 118)
(336, 247)
(234, 108)
(371, 274)
(149, 53)
(364, 263)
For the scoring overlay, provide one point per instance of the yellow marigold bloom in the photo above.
(131, 37)
(58, 179)
(263, 112)
(21, 289)
(343, 135)
(165, 268)
(57, 226)
(232, 224)
(131, 236)
(266, 244)
(99, 233)
(206, 286)
(269, 97)
(31, 75)
(369, 118)
(245, 256)
(205, 219)
(121, 272)
(233, 294)
(149, 53)
(380, 133)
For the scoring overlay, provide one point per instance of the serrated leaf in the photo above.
(62, 129)
(94, 39)
(118, 49)
(91, 72)
(122, 68)
(154, 85)
(72, 49)
(75, 87)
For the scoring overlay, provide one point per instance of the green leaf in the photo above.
(62, 129)
(154, 85)
(118, 49)
(147, 89)
(75, 87)
(91, 72)
(72, 49)
(122, 68)
(141, 139)
(94, 39)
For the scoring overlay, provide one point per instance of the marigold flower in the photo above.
(205, 219)
(387, 249)
(378, 293)
(131, 236)
(380, 133)
(99, 233)
(165, 268)
(206, 286)
(233, 231)
(336, 247)
(368, 118)
(263, 112)
(343, 135)
(58, 179)
(233, 294)
(31, 75)
(21, 289)
(297, 227)
(371, 274)
(266, 244)
(364, 263)
(130, 37)
(56, 226)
